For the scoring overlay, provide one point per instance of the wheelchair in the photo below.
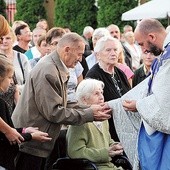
(76, 164)
(83, 164)
(65, 163)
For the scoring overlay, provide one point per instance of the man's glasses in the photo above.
(54, 43)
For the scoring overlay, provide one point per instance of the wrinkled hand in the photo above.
(130, 105)
(106, 106)
(40, 136)
(13, 136)
(115, 149)
(100, 112)
(31, 129)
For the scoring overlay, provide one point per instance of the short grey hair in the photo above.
(86, 88)
(102, 41)
(70, 39)
(100, 32)
(127, 34)
(88, 29)
(147, 26)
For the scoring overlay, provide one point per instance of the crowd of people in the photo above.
(84, 91)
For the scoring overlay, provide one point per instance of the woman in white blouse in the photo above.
(21, 70)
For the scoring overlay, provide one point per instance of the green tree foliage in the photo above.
(30, 11)
(110, 11)
(3, 8)
(75, 14)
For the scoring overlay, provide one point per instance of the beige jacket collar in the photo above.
(61, 66)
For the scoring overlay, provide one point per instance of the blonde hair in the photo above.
(17, 24)
(121, 57)
(40, 39)
(14, 38)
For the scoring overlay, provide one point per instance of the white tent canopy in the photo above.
(158, 9)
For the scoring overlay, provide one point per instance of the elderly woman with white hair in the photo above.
(92, 140)
(97, 34)
(107, 50)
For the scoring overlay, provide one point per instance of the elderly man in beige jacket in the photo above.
(43, 102)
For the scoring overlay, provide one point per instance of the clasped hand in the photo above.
(115, 149)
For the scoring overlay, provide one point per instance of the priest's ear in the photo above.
(151, 37)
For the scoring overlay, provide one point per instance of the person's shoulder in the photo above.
(48, 63)
(78, 66)
(28, 51)
(139, 70)
(126, 69)
(90, 57)
(95, 67)
(2, 104)
(95, 70)
(118, 70)
(22, 56)
(29, 54)
(15, 46)
(78, 127)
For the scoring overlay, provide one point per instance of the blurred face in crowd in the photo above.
(128, 29)
(42, 24)
(110, 53)
(5, 82)
(130, 38)
(44, 48)
(74, 55)
(96, 97)
(7, 42)
(147, 43)
(95, 39)
(54, 43)
(148, 59)
(114, 31)
(37, 34)
(89, 35)
(25, 35)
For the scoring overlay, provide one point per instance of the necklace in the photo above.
(116, 84)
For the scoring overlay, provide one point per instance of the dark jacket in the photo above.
(8, 152)
(128, 58)
(139, 75)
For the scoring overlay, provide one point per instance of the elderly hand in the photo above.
(130, 105)
(31, 129)
(13, 136)
(106, 106)
(40, 136)
(115, 149)
(100, 112)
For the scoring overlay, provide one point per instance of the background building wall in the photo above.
(10, 10)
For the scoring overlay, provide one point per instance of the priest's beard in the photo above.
(154, 49)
